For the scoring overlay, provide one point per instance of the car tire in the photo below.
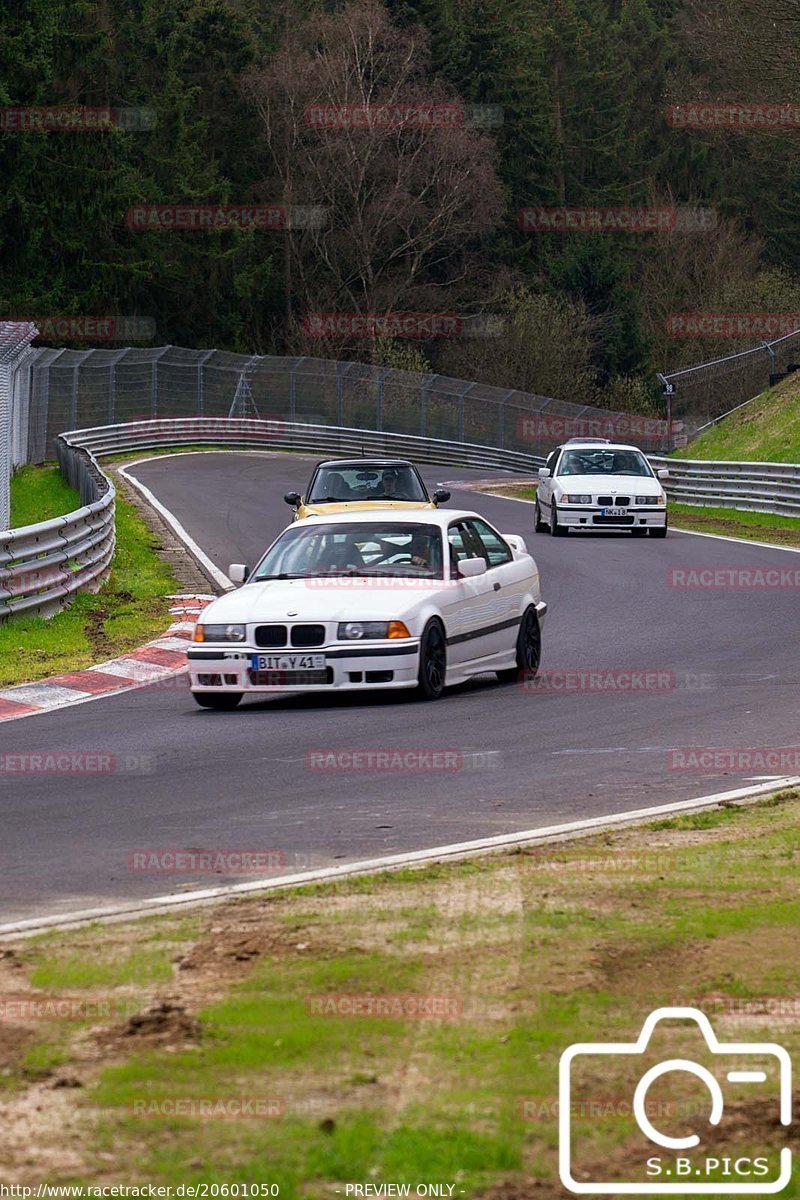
(529, 649)
(539, 526)
(223, 701)
(659, 531)
(432, 662)
(556, 530)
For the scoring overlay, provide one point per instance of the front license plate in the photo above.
(613, 512)
(288, 662)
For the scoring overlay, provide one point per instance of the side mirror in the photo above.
(663, 473)
(441, 496)
(544, 472)
(238, 573)
(517, 542)
(468, 568)
(293, 498)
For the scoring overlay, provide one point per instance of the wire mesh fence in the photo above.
(73, 389)
(701, 394)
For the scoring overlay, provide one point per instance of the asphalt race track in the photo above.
(240, 780)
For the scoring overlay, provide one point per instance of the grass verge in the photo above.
(765, 430)
(252, 1003)
(753, 526)
(129, 610)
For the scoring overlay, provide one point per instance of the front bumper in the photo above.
(347, 668)
(574, 516)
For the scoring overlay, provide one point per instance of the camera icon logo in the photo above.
(691, 1164)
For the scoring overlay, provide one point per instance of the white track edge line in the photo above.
(191, 545)
(453, 852)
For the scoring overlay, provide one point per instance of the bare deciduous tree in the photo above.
(405, 200)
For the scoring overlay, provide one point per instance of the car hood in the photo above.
(633, 485)
(342, 599)
(325, 510)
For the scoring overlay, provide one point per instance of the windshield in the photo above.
(366, 482)
(604, 462)
(368, 548)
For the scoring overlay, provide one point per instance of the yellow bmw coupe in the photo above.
(341, 485)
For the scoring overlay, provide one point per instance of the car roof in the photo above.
(364, 462)
(394, 516)
(597, 445)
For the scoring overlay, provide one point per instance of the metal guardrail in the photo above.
(284, 435)
(752, 487)
(44, 566)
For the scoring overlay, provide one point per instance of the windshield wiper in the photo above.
(284, 575)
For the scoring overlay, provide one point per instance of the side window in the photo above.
(551, 462)
(496, 552)
(463, 543)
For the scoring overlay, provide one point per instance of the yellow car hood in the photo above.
(329, 509)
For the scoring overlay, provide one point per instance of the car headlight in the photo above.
(219, 633)
(650, 499)
(577, 499)
(351, 631)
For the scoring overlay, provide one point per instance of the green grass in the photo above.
(129, 610)
(39, 494)
(539, 959)
(765, 430)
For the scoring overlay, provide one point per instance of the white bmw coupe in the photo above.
(591, 483)
(363, 601)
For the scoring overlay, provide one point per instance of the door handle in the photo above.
(497, 587)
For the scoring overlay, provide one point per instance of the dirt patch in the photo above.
(94, 628)
(523, 1187)
(246, 934)
(14, 1041)
(164, 1024)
